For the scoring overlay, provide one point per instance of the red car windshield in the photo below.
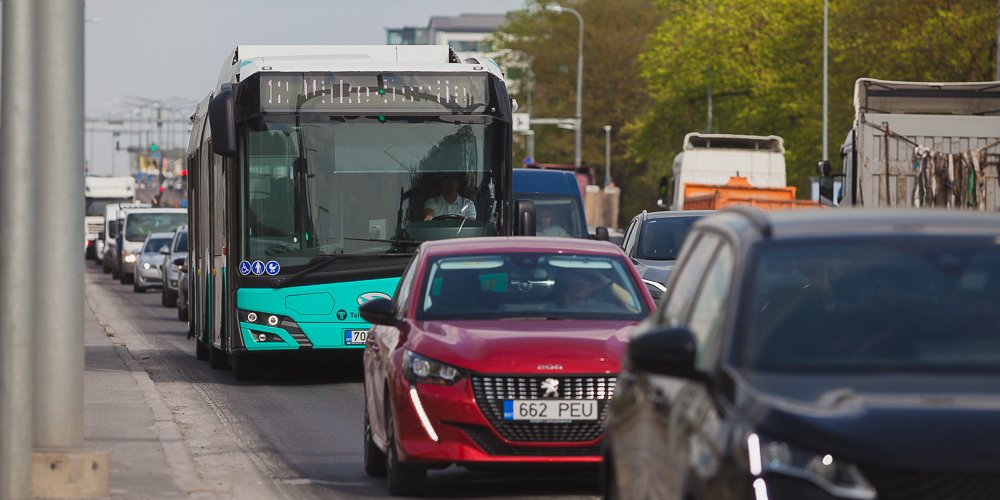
(530, 285)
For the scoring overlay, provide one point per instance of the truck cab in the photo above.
(98, 193)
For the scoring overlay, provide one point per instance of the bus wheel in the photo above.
(217, 358)
(201, 350)
(244, 366)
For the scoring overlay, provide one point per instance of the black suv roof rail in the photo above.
(756, 217)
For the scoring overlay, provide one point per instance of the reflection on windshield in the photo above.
(661, 238)
(520, 285)
(893, 304)
(333, 185)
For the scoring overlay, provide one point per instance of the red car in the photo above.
(496, 351)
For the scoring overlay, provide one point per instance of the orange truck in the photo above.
(738, 191)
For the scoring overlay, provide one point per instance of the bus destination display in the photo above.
(379, 93)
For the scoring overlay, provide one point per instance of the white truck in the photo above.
(715, 158)
(919, 144)
(98, 192)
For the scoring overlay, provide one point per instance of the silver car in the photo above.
(172, 262)
(146, 267)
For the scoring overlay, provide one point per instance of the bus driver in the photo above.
(449, 202)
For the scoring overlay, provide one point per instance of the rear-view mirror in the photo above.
(165, 250)
(221, 117)
(666, 351)
(379, 312)
(525, 217)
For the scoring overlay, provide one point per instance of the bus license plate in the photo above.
(556, 409)
(355, 337)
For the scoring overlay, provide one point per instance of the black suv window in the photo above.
(685, 281)
(709, 309)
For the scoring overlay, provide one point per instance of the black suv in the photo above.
(653, 239)
(817, 354)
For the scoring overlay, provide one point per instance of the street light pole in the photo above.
(607, 156)
(826, 74)
(558, 9)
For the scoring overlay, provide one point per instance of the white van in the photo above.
(105, 244)
(134, 224)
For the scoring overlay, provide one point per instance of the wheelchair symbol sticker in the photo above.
(258, 267)
(244, 268)
(272, 267)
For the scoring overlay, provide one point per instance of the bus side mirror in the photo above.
(663, 192)
(525, 217)
(823, 168)
(221, 116)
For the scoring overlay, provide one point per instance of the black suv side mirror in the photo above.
(667, 351)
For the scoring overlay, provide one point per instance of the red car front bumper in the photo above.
(466, 418)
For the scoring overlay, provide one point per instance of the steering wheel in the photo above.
(448, 217)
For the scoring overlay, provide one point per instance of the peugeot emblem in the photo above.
(551, 387)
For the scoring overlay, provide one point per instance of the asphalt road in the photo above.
(300, 424)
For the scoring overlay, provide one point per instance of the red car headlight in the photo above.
(417, 368)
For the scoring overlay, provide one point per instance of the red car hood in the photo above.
(524, 346)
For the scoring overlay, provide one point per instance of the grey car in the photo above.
(147, 264)
(653, 240)
(816, 354)
(170, 271)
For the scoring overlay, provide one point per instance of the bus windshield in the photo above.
(329, 185)
(139, 225)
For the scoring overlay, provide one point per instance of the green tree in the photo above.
(762, 60)
(543, 45)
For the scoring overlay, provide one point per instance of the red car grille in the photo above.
(491, 392)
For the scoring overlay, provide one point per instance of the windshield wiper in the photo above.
(377, 240)
(322, 260)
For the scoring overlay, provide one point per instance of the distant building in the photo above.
(465, 33)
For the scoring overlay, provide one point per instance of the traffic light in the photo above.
(153, 147)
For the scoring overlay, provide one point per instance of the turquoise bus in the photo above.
(313, 174)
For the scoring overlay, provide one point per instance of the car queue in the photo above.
(789, 355)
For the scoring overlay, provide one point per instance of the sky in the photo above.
(140, 52)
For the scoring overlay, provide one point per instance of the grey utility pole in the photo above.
(61, 466)
(578, 138)
(997, 76)
(16, 194)
(58, 290)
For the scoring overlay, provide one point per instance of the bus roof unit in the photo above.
(246, 60)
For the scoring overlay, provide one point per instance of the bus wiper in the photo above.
(316, 263)
(322, 260)
(377, 240)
